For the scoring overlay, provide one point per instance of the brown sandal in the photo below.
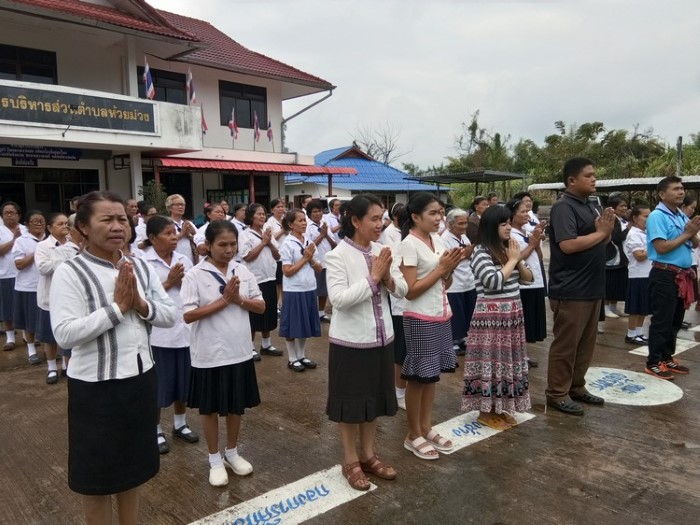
(356, 478)
(375, 466)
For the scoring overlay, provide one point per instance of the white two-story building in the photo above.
(74, 116)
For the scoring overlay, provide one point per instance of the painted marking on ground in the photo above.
(681, 346)
(622, 387)
(291, 504)
(465, 430)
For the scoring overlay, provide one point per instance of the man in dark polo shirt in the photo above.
(579, 232)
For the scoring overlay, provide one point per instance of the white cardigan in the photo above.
(361, 314)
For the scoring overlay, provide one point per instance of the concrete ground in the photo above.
(616, 465)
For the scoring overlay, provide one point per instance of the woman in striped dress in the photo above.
(495, 365)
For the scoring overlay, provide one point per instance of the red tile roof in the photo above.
(253, 166)
(150, 22)
(225, 53)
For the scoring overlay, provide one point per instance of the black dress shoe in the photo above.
(586, 397)
(307, 363)
(189, 437)
(271, 350)
(163, 446)
(256, 356)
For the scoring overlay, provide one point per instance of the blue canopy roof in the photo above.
(371, 175)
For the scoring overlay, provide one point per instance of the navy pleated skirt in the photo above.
(299, 317)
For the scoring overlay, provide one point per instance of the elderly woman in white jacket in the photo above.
(360, 372)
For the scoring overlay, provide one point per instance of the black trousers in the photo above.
(667, 313)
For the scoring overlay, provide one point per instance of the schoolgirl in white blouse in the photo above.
(217, 296)
(25, 309)
(10, 231)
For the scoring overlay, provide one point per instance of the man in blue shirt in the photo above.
(671, 237)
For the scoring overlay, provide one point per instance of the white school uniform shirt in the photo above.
(84, 316)
(290, 253)
(264, 266)
(27, 279)
(183, 245)
(8, 270)
(529, 227)
(276, 227)
(532, 262)
(47, 257)
(332, 221)
(462, 277)
(223, 338)
(140, 232)
(312, 231)
(201, 234)
(636, 240)
(431, 305)
(177, 336)
(391, 237)
(361, 313)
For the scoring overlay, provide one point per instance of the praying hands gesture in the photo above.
(309, 252)
(381, 266)
(606, 222)
(266, 236)
(513, 251)
(449, 261)
(126, 292)
(175, 276)
(232, 290)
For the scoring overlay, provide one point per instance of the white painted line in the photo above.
(622, 387)
(694, 329)
(465, 430)
(291, 504)
(681, 346)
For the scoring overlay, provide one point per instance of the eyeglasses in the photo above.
(10, 213)
(178, 204)
(37, 223)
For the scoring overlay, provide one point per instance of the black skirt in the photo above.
(399, 339)
(616, 284)
(638, 300)
(44, 332)
(7, 292)
(360, 384)
(111, 434)
(266, 321)
(224, 390)
(535, 314)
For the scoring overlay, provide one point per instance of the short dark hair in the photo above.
(616, 201)
(275, 202)
(521, 195)
(16, 206)
(331, 203)
(357, 207)
(573, 167)
(666, 182)
(143, 207)
(53, 216)
(478, 200)
(638, 209)
(250, 211)
(314, 205)
(490, 195)
(155, 226)
(396, 210)
(238, 206)
(216, 228)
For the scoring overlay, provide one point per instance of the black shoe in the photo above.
(296, 366)
(325, 319)
(636, 340)
(256, 356)
(532, 363)
(307, 363)
(586, 397)
(685, 325)
(163, 448)
(52, 377)
(566, 405)
(189, 437)
(64, 373)
(271, 350)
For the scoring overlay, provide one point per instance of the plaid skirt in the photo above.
(428, 350)
(495, 364)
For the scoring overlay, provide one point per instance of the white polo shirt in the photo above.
(178, 336)
(264, 266)
(27, 279)
(223, 338)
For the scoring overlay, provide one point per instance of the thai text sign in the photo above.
(76, 110)
(39, 152)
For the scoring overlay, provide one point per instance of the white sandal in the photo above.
(438, 442)
(421, 448)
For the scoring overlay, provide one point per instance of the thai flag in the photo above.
(269, 130)
(189, 86)
(232, 125)
(256, 127)
(148, 81)
(205, 128)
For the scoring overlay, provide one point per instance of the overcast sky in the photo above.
(423, 66)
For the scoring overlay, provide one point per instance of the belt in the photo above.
(670, 267)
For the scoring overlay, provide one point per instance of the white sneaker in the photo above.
(239, 465)
(601, 327)
(402, 402)
(218, 476)
(610, 314)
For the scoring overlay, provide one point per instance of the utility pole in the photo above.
(679, 156)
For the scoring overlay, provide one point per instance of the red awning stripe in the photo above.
(201, 164)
